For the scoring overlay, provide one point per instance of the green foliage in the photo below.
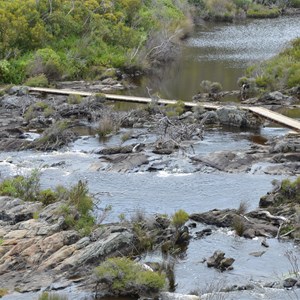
(144, 241)
(34, 109)
(220, 10)
(211, 87)
(260, 11)
(179, 218)
(24, 187)
(290, 190)
(282, 71)
(78, 203)
(47, 62)
(74, 99)
(122, 275)
(73, 38)
(175, 109)
(52, 296)
(37, 81)
(295, 3)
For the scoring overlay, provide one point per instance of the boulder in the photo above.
(219, 261)
(233, 116)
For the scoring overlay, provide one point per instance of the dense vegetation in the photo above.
(280, 72)
(76, 203)
(81, 38)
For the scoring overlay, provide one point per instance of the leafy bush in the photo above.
(46, 61)
(260, 11)
(78, 206)
(280, 72)
(23, 187)
(37, 81)
(179, 218)
(74, 41)
(175, 109)
(122, 276)
(221, 10)
(74, 99)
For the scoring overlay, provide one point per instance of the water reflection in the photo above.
(220, 52)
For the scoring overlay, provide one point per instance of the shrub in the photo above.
(74, 99)
(23, 187)
(261, 11)
(54, 137)
(221, 10)
(3, 292)
(179, 218)
(210, 87)
(107, 125)
(125, 277)
(238, 225)
(46, 61)
(175, 109)
(37, 81)
(243, 207)
(52, 296)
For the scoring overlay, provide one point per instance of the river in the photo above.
(221, 52)
(217, 52)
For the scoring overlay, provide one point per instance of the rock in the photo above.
(289, 282)
(219, 261)
(264, 243)
(257, 253)
(228, 161)
(126, 162)
(202, 233)
(226, 263)
(120, 149)
(276, 98)
(215, 259)
(249, 233)
(176, 296)
(233, 116)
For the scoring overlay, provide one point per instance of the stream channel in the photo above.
(217, 52)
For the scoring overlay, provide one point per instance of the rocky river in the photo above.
(216, 169)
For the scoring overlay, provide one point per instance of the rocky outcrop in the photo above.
(41, 247)
(219, 261)
(233, 116)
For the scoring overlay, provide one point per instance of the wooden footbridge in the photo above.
(261, 111)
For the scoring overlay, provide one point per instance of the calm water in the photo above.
(221, 52)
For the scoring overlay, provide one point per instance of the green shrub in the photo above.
(179, 218)
(46, 61)
(123, 276)
(24, 187)
(176, 109)
(210, 87)
(37, 81)
(295, 3)
(74, 99)
(261, 11)
(52, 296)
(221, 10)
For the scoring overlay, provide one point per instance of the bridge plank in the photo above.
(261, 111)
